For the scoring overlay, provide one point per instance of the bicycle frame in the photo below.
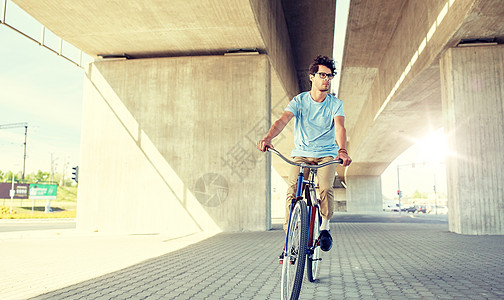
(312, 204)
(299, 192)
(299, 197)
(306, 212)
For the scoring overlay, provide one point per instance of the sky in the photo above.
(429, 167)
(45, 90)
(341, 18)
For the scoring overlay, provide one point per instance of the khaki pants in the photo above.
(325, 178)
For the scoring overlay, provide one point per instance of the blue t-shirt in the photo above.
(314, 134)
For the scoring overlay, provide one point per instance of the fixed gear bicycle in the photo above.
(303, 230)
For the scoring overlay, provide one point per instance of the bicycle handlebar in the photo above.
(304, 165)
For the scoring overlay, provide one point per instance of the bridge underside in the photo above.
(390, 80)
(290, 32)
(393, 88)
(395, 92)
(233, 64)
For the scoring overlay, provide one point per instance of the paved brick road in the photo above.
(371, 259)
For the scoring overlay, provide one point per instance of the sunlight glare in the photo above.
(433, 147)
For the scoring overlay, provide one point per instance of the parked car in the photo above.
(391, 208)
(421, 209)
(411, 209)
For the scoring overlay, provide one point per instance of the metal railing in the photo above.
(41, 40)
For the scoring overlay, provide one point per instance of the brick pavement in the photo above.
(369, 260)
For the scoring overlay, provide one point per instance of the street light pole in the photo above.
(16, 125)
(435, 193)
(399, 189)
(12, 193)
(399, 192)
(24, 157)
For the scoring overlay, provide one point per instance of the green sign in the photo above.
(43, 191)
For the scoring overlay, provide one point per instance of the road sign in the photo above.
(43, 191)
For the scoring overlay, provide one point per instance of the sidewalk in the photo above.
(373, 257)
(38, 261)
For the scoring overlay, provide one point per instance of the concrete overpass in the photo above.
(414, 65)
(172, 107)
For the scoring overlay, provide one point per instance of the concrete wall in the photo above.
(473, 107)
(168, 145)
(364, 194)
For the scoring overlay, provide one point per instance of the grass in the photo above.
(65, 206)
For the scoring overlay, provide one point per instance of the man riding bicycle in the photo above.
(319, 136)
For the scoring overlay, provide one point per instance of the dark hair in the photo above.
(324, 61)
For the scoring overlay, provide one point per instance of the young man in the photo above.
(319, 136)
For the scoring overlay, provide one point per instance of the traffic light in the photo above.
(75, 173)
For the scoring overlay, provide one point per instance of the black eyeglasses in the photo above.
(323, 75)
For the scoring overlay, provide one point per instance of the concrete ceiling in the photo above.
(311, 33)
(390, 82)
(371, 26)
(150, 28)
(154, 28)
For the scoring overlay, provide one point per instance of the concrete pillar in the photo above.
(364, 194)
(473, 106)
(168, 145)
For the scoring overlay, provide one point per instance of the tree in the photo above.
(41, 176)
(29, 178)
(37, 177)
(416, 195)
(8, 177)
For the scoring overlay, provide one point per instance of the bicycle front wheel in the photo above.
(313, 257)
(295, 254)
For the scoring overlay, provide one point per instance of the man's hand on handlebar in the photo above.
(263, 144)
(345, 158)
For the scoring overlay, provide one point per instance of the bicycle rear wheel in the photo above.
(313, 257)
(295, 256)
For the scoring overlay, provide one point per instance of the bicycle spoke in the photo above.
(293, 265)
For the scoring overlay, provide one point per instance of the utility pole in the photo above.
(24, 146)
(54, 166)
(65, 165)
(435, 194)
(12, 193)
(399, 190)
(17, 125)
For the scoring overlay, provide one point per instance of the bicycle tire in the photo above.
(313, 257)
(295, 257)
